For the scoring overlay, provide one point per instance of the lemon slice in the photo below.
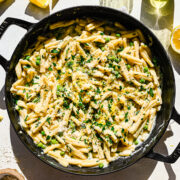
(175, 39)
(40, 3)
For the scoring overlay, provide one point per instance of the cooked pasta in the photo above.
(88, 93)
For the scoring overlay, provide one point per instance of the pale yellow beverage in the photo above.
(158, 3)
(128, 4)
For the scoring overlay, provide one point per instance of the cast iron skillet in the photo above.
(168, 86)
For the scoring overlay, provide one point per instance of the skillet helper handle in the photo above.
(3, 27)
(175, 154)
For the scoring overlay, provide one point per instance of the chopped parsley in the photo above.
(37, 124)
(38, 60)
(48, 137)
(37, 99)
(27, 58)
(151, 92)
(122, 131)
(131, 43)
(71, 124)
(126, 116)
(142, 80)
(66, 104)
(48, 120)
(120, 49)
(54, 64)
(85, 141)
(26, 118)
(146, 127)
(73, 57)
(27, 66)
(108, 123)
(50, 68)
(60, 88)
(98, 90)
(145, 69)
(69, 64)
(112, 128)
(154, 60)
(55, 51)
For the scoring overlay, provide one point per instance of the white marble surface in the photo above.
(13, 154)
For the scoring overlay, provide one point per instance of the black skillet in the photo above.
(166, 113)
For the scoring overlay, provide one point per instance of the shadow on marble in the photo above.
(5, 5)
(35, 169)
(175, 59)
(54, 2)
(162, 149)
(127, 5)
(36, 12)
(2, 98)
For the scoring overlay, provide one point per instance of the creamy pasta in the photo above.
(89, 93)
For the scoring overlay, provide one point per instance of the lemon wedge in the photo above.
(175, 39)
(1, 1)
(40, 3)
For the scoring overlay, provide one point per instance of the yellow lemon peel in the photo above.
(41, 3)
(175, 39)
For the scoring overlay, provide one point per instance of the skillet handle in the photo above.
(3, 27)
(175, 154)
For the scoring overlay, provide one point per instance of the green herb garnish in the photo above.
(41, 145)
(151, 92)
(101, 165)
